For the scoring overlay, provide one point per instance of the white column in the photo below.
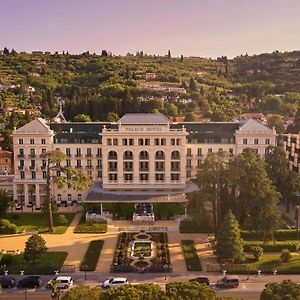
(37, 195)
(26, 200)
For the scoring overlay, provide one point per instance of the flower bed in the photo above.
(141, 249)
(160, 262)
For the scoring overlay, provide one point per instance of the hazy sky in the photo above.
(208, 28)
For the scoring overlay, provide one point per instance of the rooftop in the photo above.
(144, 119)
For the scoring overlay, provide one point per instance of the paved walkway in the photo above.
(76, 244)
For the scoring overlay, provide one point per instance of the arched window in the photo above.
(144, 155)
(175, 155)
(159, 155)
(128, 155)
(59, 198)
(112, 155)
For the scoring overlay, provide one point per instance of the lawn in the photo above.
(91, 257)
(191, 257)
(47, 264)
(90, 227)
(38, 222)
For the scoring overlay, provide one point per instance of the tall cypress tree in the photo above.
(229, 245)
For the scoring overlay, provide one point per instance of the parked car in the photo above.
(203, 280)
(62, 282)
(7, 282)
(30, 282)
(114, 282)
(228, 282)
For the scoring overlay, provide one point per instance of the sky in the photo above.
(206, 28)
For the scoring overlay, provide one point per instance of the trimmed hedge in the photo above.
(191, 257)
(7, 228)
(91, 257)
(279, 235)
(90, 227)
(277, 247)
(193, 226)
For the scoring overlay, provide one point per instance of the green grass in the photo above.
(91, 257)
(38, 222)
(89, 227)
(191, 257)
(47, 264)
(31, 222)
(268, 263)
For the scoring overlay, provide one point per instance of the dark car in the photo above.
(30, 282)
(7, 282)
(203, 280)
(228, 282)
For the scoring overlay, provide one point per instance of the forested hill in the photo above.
(96, 85)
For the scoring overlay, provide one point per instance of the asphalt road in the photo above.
(249, 289)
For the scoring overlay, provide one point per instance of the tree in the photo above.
(287, 182)
(192, 85)
(229, 245)
(82, 118)
(189, 291)
(281, 290)
(211, 178)
(61, 177)
(5, 201)
(189, 117)
(112, 117)
(83, 292)
(35, 246)
(285, 255)
(276, 122)
(251, 188)
(147, 291)
(55, 291)
(257, 252)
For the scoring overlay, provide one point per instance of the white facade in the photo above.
(139, 153)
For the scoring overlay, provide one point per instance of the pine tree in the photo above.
(229, 245)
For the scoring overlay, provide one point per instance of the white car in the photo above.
(62, 282)
(114, 282)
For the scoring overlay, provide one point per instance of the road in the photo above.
(249, 289)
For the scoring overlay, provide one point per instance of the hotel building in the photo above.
(140, 158)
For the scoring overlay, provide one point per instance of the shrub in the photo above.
(257, 252)
(7, 228)
(285, 255)
(34, 248)
(6, 259)
(190, 255)
(274, 247)
(62, 220)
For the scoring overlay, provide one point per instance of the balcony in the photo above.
(32, 167)
(128, 169)
(159, 181)
(68, 155)
(89, 167)
(78, 167)
(160, 169)
(175, 169)
(99, 155)
(21, 167)
(128, 181)
(144, 169)
(98, 167)
(21, 155)
(113, 181)
(144, 181)
(43, 167)
(32, 155)
(89, 155)
(78, 155)
(112, 169)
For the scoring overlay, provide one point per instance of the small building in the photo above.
(6, 162)
(150, 75)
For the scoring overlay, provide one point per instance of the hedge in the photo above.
(190, 255)
(279, 235)
(91, 257)
(193, 226)
(7, 228)
(90, 227)
(277, 247)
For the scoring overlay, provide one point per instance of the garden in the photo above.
(32, 222)
(142, 252)
(191, 257)
(90, 227)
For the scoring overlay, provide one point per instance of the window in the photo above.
(59, 198)
(267, 151)
(109, 142)
(156, 142)
(255, 141)
(128, 177)
(79, 198)
(43, 141)
(99, 163)
(33, 175)
(188, 174)
(113, 177)
(21, 152)
(32, 152)
(99, 152)
(147, 142)
(127, 166)
(199, 161)
(188, 163)
(267, 141)
(231, 151)
(175, 166)
(141, 142)
(44, 175)
(43, 150)
(256, 150)
(112, 155)
(220, 149)
(89, 152)
(99, 174)
(159, 166)
(22, 175)
(144, 155)
(245, 141)
(69, 198)
(130, 142)
(89, 162)
(78, 165)
(199, 152)
(144, 177)
(21, 141)
(144, 166)
(31, 141)
(112, 166)
(68, 163)
(58, 174)
(189, 152)
(159, 155)
(174, 176)
(115, 142)
(78, 152)
(68, 152)
(159, 177)
(22, 163)
(209, 150)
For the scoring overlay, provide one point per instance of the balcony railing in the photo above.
(112, 169)
(89, 167)
(21, 167)
(144, 169)
(98, 167)
(160, 169)
(175, 169)
(78, 167)
(99, 155)
(78, 155)
(89, 155)
(32, 167)
(32, 155)
(21, 155)
(128, 169)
